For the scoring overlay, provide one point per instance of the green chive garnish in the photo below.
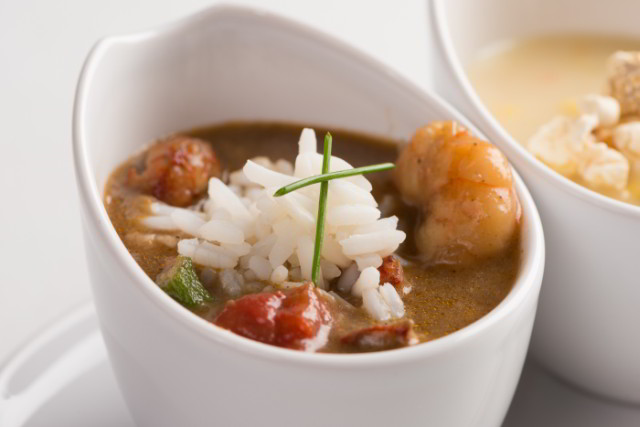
(323, 179)
(322, 206)
(328, 176)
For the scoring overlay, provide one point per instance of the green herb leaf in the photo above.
(322, 207)
(327, 176)
(181, 282)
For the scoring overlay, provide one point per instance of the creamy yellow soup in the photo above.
(526, 83)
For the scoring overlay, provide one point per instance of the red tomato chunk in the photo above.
(298, 319)
(382, 337)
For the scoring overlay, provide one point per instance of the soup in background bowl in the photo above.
(176, 368)
(554, 95)
(585, 326)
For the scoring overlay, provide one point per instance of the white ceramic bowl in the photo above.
(176, 369)
(587, 324)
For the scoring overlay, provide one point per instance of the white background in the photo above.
(42, 46)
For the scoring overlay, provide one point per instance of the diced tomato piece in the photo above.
(292, 319)
(382, 337)
(391, 271)
(252, 316)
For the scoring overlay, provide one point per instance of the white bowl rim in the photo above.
(443, 38)
(528, 280)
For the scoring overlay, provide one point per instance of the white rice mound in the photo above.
(251, 236)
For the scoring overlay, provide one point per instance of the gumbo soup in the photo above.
(406, 255)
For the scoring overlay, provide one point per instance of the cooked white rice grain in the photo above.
(218, 248)
(305, 256)
(220, 214)
(389, 223)
(214, 256)
(247, 203)
(360, 244)
(270, 210)
(158, 208)
(281, 251)
(303, 166)
(299, 207)
(261, 267)
(220, 231)
(226, 199)
(238, 191)
(332, 251)
(393, 300)
(263, 246)
(279, 274)
(329, 270)
(348, 278)
(206, 254)
(347, 192)
(265, 176)
(388, 250)
(187, 221)
(261, 230)
(187, 247)
(375, 305)
(237, 249)
(231, 282)
(307, 142)
(369, 279)
(243, 262)
(284, 166)
(240, 179)
(369, 260)
(286, 228)
(352, 215)
(159, 222)
(253, 194)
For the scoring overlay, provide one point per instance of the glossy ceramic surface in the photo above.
(586, 326)
(174, 368)
(86, 394)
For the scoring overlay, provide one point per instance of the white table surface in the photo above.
(42, 46)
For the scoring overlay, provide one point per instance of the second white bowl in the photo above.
(587, 324)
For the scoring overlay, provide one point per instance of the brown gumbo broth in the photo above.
(439, 299)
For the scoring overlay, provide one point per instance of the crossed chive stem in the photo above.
(323, 179)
